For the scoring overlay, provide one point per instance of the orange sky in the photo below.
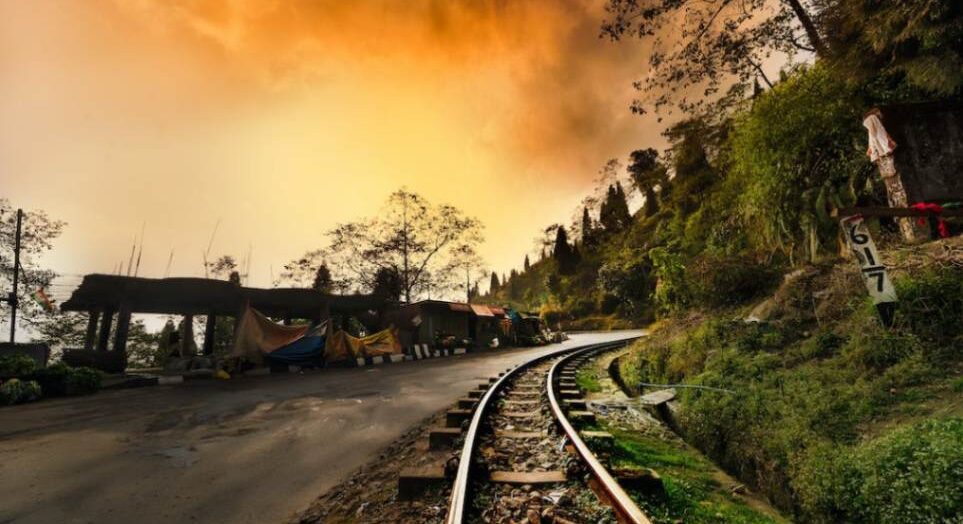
(281, 118)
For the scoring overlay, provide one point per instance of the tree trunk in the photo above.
(809, 26)
(405, 252)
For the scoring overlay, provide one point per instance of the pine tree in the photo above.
(527, 265)
(563, 252)
(322, 279)
(494, 284)
(387, 284)
(513, 285)
(586, 227)
(615, 209)
(620, 207)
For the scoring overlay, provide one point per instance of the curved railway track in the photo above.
(521, 434)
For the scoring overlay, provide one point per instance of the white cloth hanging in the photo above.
(880, 143)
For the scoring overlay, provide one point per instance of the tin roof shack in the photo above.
(105, 297)
(486, 326)
(433, 321)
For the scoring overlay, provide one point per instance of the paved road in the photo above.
(251, 450)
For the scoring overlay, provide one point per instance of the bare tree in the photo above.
(467, 266)
(302, 271)
(410, 236)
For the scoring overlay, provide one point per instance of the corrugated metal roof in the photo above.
(482, 310)
(458, 306)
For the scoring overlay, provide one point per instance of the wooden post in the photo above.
(187, 336)
(881, 149)
(106, 320)
(209, 334)
(896, 196)
(123, 328)
(91, 330)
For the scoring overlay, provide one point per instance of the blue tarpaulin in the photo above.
(308, 349)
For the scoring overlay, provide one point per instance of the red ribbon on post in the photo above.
(934, 209)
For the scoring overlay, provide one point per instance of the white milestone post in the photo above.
(871, 266)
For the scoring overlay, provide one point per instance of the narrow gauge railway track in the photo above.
(521, 436)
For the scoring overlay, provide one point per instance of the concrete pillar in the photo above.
(123, 328)
(91, 330)
(187, 336)
(105, 322)
(209, 334)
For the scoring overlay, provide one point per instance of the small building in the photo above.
(487, 325)
(429, 321)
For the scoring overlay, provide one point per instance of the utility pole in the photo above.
(12, 298)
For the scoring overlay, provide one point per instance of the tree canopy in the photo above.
(410, 236)
(38, 232)
(647, 173)
(700, 48)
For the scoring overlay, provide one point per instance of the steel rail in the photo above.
(625, 508)
(457, 506)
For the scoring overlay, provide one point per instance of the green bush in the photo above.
(787, 174)
(83, 381)
(878, 349)
(825, 344)
(727, 280)
(553, 316)
(671, 291)
(53, 379)
(16, 391)
(16, 365)
(931, 306)
(59, 379)
(912, 474)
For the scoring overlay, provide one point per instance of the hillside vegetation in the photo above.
(737, 262)
(832, 416)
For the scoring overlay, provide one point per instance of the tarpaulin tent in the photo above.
(338, 347)
(384, 342)
(341, 346)
(258, 335)
(305, 350)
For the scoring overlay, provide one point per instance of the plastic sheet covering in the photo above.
(304, 351)
(259, 335)
(341, 346)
